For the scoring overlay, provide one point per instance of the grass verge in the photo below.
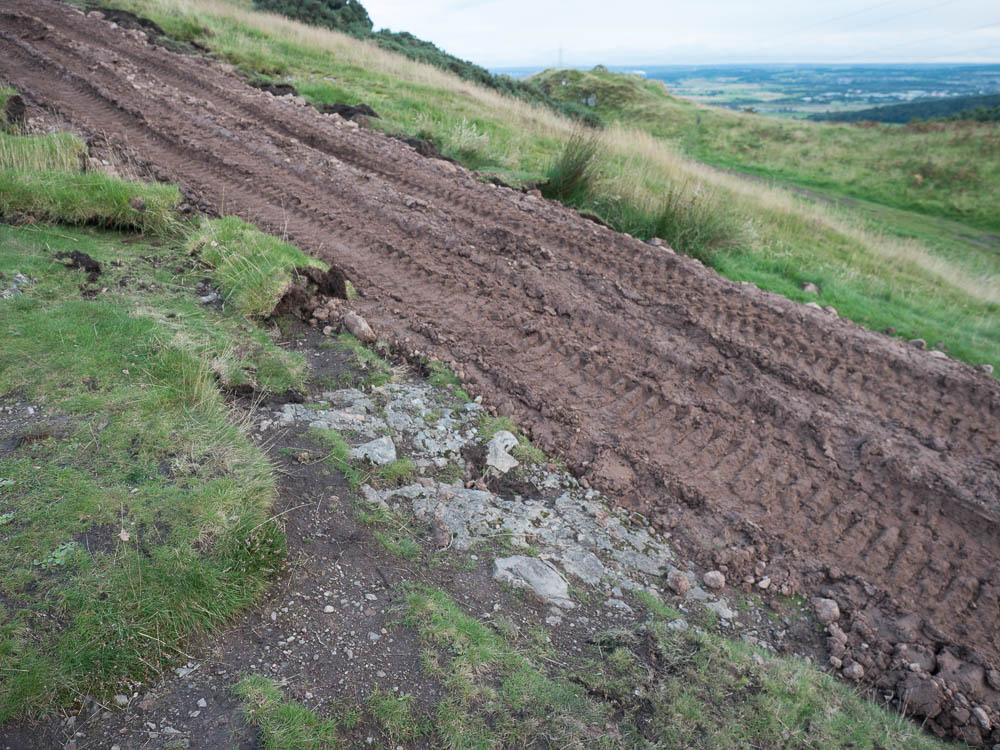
(135, 510)
(651, 688)
(43, 177)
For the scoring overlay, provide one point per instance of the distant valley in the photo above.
(799, 91)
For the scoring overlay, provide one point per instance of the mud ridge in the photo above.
(749, 427)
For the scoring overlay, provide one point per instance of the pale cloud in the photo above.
(636, 32)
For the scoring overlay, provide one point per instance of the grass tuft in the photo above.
(283, 724)
(572, 176)
(254, 269)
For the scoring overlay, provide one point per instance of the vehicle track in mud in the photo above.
(752, 427)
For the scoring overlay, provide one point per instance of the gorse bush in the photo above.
(348, 16)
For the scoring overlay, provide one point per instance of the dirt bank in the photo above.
(750, 427)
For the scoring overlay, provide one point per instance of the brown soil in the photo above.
(752, 427)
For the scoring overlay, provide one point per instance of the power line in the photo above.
(934, 38)
(818, 24)
(900, 15)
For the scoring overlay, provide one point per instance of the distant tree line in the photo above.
(351, 17)
(980, 108)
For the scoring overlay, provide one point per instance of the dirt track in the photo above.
(752, 427)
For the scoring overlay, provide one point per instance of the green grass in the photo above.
(375, 370)
(338, 455)
(948, 172)
(6, 92)
(440, 376)
(524, 451)
(88, 198)
(693, 689)
(650, 688)
(284, 724)
(495, 695)
(55, 152)
(138, 510)
(394, 716)
(43, 177)
(392, 529)
(396, 474)
(254, 269)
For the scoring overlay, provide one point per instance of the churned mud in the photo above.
(748, 427)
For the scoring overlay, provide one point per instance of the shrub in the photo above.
(571, 177)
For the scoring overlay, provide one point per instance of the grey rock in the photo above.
(583, 564)
(988, 369)
(121, 700)
(983, 718)
(17, 284)
(641, 562)
(380, 451)
(937, 354)
(498, 451)
(530, 572)
(721, 608)
(698, 594)
(814, 305)
(615, 603)
(678, 625)
(854, 671)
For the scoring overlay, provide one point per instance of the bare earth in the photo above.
(750, 427)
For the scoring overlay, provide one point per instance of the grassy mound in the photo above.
(952, 172)
(254, 269)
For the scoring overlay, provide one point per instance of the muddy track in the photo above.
(754, 428)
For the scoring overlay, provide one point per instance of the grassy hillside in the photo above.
(953, 108)
(943, 291)
(948, 172)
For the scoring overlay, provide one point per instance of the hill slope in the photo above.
(956, 108)
(952, 174)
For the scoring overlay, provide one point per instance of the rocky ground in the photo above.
(517, 538)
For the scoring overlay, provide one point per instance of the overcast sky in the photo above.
(644, 32)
